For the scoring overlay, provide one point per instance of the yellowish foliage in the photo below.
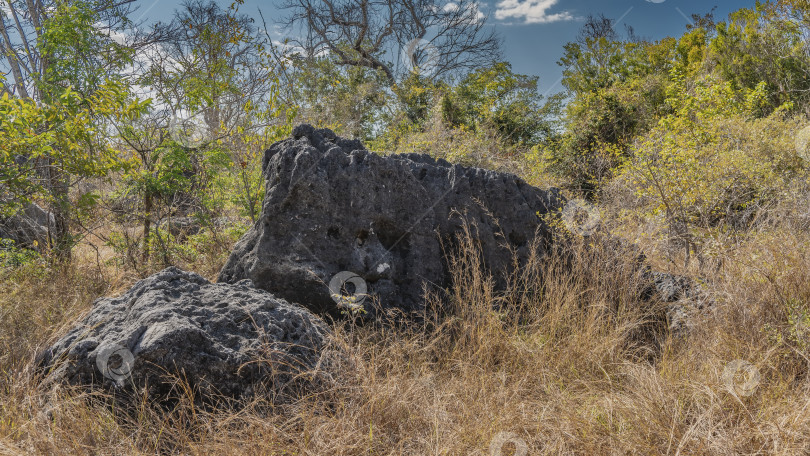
(711, 163)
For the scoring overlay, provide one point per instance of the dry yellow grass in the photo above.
(567, 361)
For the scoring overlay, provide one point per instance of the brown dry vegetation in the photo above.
(577, 365)
(698, 141)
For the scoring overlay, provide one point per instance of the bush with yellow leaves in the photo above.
(713, 166)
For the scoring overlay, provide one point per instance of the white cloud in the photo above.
(472, 11)
(531, 11)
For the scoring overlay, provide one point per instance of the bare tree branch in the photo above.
(376, 34)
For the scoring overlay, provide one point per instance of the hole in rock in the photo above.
(390, 235)
(517, 239)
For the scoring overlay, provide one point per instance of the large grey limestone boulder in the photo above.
(334, 209)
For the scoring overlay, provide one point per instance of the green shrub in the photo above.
(16, 259)
(712, 165)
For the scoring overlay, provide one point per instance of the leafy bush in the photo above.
(712, 165)
(483, 148)
(616, 91)
(499, 99)
(15, 258)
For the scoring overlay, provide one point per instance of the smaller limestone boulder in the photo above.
(29, 227)
(224, 340)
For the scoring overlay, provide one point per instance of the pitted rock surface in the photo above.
(332, 206)
(223, 339)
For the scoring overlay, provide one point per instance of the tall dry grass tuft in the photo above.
(567, 360)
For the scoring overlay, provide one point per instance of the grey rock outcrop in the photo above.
(225, 340)
(29, 227)
(684, 296)
(332, 206)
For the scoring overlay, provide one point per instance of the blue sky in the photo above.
(534, 31)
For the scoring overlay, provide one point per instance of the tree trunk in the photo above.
(7, 47)
(147, 224)
(58, 187)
